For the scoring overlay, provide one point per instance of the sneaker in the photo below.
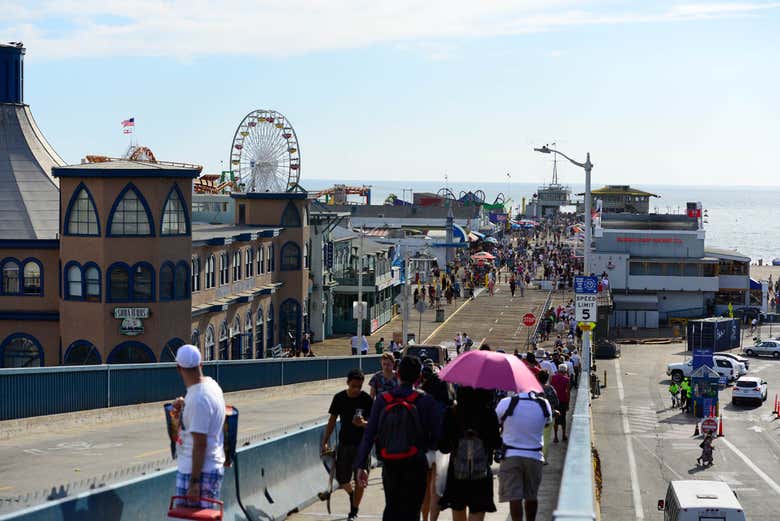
(352, 517)
(323, 496)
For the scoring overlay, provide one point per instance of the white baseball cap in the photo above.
(188, 356)
(561, 368)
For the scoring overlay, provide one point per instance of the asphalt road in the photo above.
(643, 443)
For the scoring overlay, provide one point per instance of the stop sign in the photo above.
(529, 319)
(709, 425)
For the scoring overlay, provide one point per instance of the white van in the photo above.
(695, 500)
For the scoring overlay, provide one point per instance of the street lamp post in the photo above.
(588, 166)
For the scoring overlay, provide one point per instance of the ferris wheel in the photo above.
(265, 156)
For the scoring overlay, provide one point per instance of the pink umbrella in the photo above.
(491, 370)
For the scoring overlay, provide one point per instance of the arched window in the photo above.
(92, 281)
(195, 338)
(291, 257)
(21, 350)
(131, 353)
(270, 263)
(195, 274)
(118, 282)
(208, 344)
(236, 265)
(290, 217)
(130, 214)
(180, 277)
(74, 284)
(249, 262)
(166, 281)
(247, 344)
(10, 269)
(260, 259)
(210, 275)
(82, 352)
(290, 323)
(235, 340)
(143, 282)
(175, 220)
(168, 353)
(259, 334)
(224, 269)
(32, 282)
(223, 341)
(81, 215)
(269, 327)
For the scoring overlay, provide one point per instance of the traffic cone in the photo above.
(720, 426)
(696, 431)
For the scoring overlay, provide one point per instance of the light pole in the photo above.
(588, 166)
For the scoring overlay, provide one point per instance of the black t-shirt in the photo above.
(345, 407)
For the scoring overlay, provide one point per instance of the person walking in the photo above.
(560, 381)
(512, 284)
(380, 346)
(404, 424)
(523, 418)
(201, 413)
(458, 343)
(674, 391)
(438, 462)
(552, 398)
(351, 406)
(385, 379)
(684, 393)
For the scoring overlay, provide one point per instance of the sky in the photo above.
(658, 92)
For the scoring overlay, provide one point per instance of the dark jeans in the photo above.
(404, 483)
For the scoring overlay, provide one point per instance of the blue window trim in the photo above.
(170, 343)
(289, 267)
(21, 277)
(175, 189)
(66, 286)
(73, 198)
(172, 267)
(213, 339)
(187, 289)
(127, 188)
(196, 335)
(291, 212)
(131, 282)
(79, 342)
(298, 319)
(86, 265)
(13, 336)
(130, 343)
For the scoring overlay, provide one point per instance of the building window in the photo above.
(127, 284)
(290, 217)
(236, 265)
(259, 334)
(131, 353)
(269, 327)
(32, 278)
(270, 264)
(166, 281)
(92, 282)
(235, 340)
(208, 347)
(82, 352)
(249, 262)
(180, 277)
(291, 257)
(10, 277)
(290, 322)
(118, 283)
(210, 275)
(247, 345)
(195, 270)
(306, 252)
(224, 269)
(130, 214)
(174, 219)
(168, 353)
(21, 350)
(223, 341)
(260, 260)
(74, 286)
(81, 216)
(143, 282)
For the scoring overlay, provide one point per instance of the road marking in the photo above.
(760, 473)
(490, 330)
(449, 318)
(152, 452)
(639, 512)
(6, 488)
(496, 321)
(662, 462)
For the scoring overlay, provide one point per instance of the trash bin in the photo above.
(439, 315)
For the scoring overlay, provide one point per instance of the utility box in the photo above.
(717, 334)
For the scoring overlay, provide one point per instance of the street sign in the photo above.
(585, 307)
(420, 306)
(709, 425)
(588, 285)
(529, 319)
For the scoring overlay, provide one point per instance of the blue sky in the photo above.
(658, 92)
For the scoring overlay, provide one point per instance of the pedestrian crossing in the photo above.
(645, 421)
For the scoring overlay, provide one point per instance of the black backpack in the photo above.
(511, 409)
(399, 430)
(470, 460)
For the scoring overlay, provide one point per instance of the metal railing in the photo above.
(576, 495)
(55, 390)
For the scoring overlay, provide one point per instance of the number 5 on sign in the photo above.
(585, 306)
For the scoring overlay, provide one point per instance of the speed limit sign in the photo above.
(585, 307)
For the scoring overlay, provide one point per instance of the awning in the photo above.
(480, 235)
(754, 284)
(459, 232)
(635, 302)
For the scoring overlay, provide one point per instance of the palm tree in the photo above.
(391, 199)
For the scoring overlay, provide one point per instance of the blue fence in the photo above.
(55, 390)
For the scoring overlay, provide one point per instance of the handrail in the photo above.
(545, 307)
(576, 495)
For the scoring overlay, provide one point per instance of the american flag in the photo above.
(128, 122)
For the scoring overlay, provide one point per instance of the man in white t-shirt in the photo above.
(201, 454)
(523, 418)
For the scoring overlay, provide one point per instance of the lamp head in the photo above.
(543, 150)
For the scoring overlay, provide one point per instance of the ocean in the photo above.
(738, 218)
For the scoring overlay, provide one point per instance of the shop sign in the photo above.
(131, 318)
(655, 240)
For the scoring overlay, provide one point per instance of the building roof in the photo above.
(651, 221)
(620, 190)
(732, 255)
(204, 232)
(339, 233)
(415, 212)
(123, 167)
(29, 195)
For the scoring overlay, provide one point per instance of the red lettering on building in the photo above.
(656, 240)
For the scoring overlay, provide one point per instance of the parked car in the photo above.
(749, 388)
(724, 366)
(764, 347)
(741, 359)
(606, 349)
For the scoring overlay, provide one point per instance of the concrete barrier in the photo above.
(277, 476)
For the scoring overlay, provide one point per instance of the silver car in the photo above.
(764, 347)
